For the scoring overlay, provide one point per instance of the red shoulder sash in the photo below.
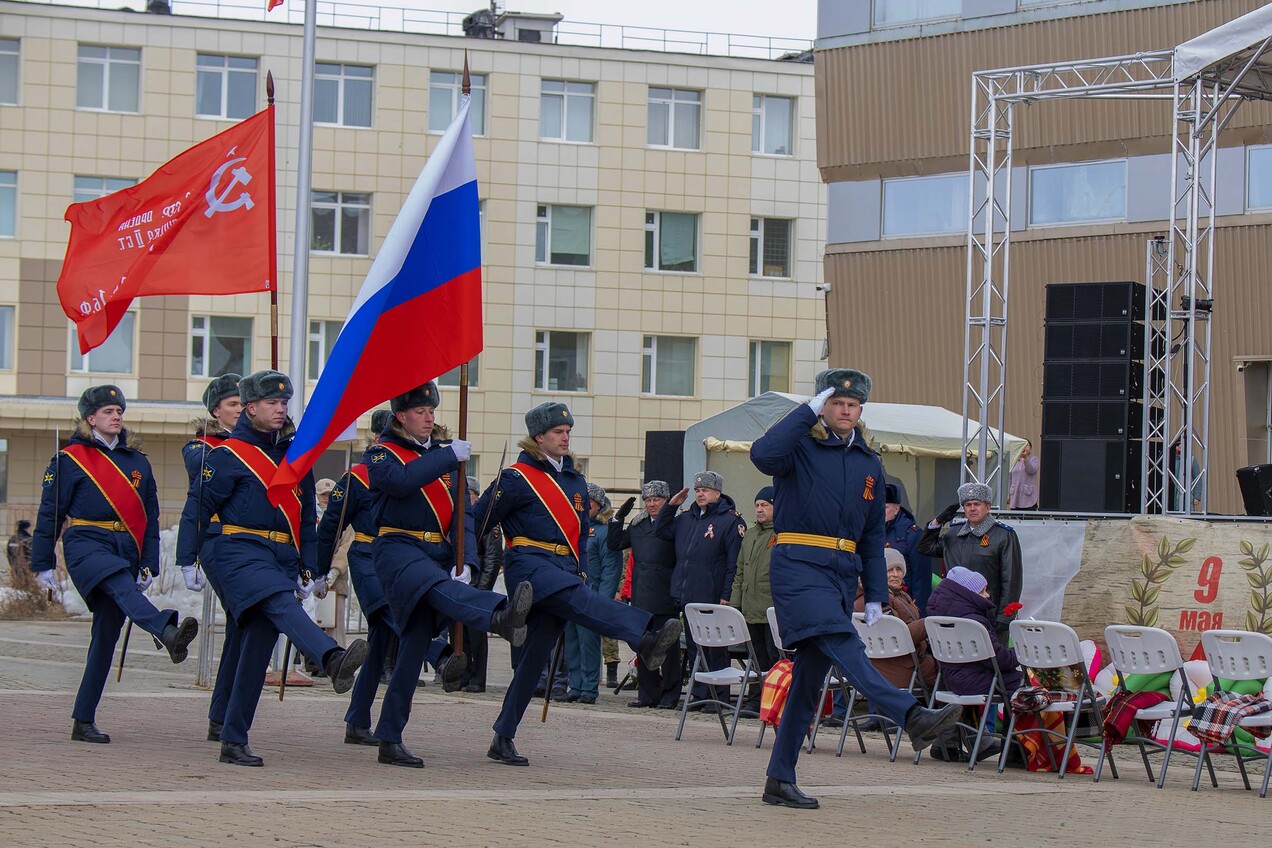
(123, 493)
(360, 472)
(555, 501)
(436, 493)
(210, 441)
(259, 463)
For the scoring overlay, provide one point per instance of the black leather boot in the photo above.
(86, 731)
(239, 755)
(342, 663)
(509, 621)
(355, 735)
(783, 794)
(655, 644)
(924, 726)
(611, 675)
(177, 638)
(451, 671)
(502, 750)
(214, 730)
(395, 754)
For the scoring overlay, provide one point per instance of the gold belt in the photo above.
(271, 535)
(116, 526)
(362, 537)
(215, 519)
(422, 535)
(523, 542)
(817, 541)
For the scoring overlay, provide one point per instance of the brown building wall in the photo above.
(902, 107)
(42, 335)
(899, 315)
(163, 348)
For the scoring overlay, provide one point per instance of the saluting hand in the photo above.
(679, 497)
(818, 402)
(624, 510)
(947, 514)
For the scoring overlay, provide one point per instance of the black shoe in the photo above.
(709, 709)
(395, 754)
(451, 670)
(655, 644)
(586, 699)
(214, 730)
(870, 724)
(611, 675)
(239, 755)
(639, 704)
(177, 638)
(86, 731)
(986, 751)
(355, 735)
(832, 721)
(923, 725)
(474, 687)
(783, 794)
(509, 621)
(571, 698)
(502, 750)
(342, 663)
(672, 706)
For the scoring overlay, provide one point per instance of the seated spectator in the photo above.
(965, 594)
(897, 670)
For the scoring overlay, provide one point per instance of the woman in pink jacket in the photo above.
(1023, 493)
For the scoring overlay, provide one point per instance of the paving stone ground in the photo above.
(599, 775)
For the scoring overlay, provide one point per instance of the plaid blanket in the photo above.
(776, 688)
(1121, 710)
(1035, 699)
(1218, 716)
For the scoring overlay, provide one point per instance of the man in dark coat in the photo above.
(708, 536)
(981, 544)
(653, 561)
(266, 555)
(541, 501)
(489, 565)
(221, 399)
(19, 548)
(103, 489)
(903, 533)
(829, 519)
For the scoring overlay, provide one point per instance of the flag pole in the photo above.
(273, 231)
(300, 250)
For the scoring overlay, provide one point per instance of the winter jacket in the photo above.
(951, 599)
(897, 670)
(605, 567)
(995, 555)
(707, 544)
(351, 506)
(751, 593)
(903, 534)
(654, 563)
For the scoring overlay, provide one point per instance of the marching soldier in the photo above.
(829, 519)
(541, 501)
(221, 399)
(265, 555)
(105, 487)
(410, 471)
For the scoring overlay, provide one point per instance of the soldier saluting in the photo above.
(541, 501)
(265, 555)
(104, 491)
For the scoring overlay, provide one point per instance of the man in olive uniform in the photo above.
(981, 543)
(751, 593)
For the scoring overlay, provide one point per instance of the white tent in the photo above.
(920, 446)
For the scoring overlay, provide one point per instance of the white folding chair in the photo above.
(888, 639)
(961, 641)
(1046, 645)
(1239, 655)
(718, 626)
(1149, 650)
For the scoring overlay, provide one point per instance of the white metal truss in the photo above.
(1157, 279)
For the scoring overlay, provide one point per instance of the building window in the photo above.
(770, 247)
(224, 86)
(85, 189)
(770, 367)
(565, 110)
(6, 338)
(113, 356)
(889, 12)
(444, 91)
(671, 241)
(341, 223)
(9, 65)
(220, 345)
(667, 365)
(342, 94)
(560, 361)
(771, 124)
(563, 235)
(675, 116)
(1258, 179)
(4, 470)
(108, 78)
(322, 338)
(925, 205)
(451, 377)
(8, 203)
(1070, 194)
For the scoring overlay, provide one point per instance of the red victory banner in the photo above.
(201, 224)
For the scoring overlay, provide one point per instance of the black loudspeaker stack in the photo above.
(1256, 489)
(665, 457)
(1092, 390)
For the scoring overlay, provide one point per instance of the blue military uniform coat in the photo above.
(355, 503)
(399, 502)
(194, 454)
(94, 553)
(251, 568)
(707, 545)
(825, 487)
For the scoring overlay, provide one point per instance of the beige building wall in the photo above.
(48, 141)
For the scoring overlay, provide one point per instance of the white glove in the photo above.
(818, 402)
(193, 578)
(874, 612)
(465, 577)
(319, 587)
(48, 579)
(463, 450)
(144, 579)
(303, 589)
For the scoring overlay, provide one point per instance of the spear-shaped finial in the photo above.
(269, 87)
(466, 84)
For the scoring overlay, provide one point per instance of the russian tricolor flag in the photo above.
(419, 312)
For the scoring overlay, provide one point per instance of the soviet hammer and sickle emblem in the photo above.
(221, 202)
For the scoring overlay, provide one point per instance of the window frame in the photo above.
(671, 103)
(1035, 169)
(918, 19)
(755, 356)
(567, 97)
(653, 241)
(73, 350)
(479, 82)
(17, 69)
(108, 62)
(325, 342)
(649, 366)
(957, 178)
(14, 212)
(208, 336)
(542, 365)
(338, 208)
(223, 72)
(756, 246)
(125, 182)
(341, 94)
(762, 113)
(543, 224)
(474, 375)
(8, 337)
(1249, 157)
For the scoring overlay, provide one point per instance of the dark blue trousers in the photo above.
(116, 598)
(583, 655)
(231, 648)
(813, 658)
(577, 604)
(380, 634)
(278, 613)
